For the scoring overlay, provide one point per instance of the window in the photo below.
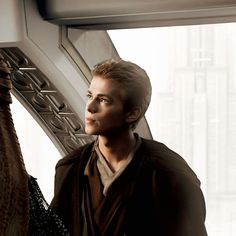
(193, 109)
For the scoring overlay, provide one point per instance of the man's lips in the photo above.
(89, 120)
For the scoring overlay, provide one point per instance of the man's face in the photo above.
(104, 114)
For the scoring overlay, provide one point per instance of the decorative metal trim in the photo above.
(42, 98)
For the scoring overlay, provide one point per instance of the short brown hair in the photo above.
(132, 78)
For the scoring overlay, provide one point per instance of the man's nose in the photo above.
(91, 106)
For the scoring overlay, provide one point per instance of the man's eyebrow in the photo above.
(104, 95)
(101, 95)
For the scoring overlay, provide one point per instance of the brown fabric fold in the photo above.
(14, 195)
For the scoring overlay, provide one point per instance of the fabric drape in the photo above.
(14, 194)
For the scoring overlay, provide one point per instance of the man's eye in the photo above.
(104, 100)
(88, 95)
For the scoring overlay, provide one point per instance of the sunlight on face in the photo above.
(104, 110)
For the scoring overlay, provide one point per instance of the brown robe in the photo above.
(157, 194)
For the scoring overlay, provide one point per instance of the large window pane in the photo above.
(193, 108)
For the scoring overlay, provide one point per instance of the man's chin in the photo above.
(90, 131)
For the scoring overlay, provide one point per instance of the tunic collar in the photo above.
(106, 174)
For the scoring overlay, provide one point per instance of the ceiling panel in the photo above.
(110, 14)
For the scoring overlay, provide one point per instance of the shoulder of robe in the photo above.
(162, 159)
(75, 155)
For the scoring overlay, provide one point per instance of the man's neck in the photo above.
(116, 148)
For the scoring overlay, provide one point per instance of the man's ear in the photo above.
(133, 114)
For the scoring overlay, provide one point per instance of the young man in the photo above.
(122, 184)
